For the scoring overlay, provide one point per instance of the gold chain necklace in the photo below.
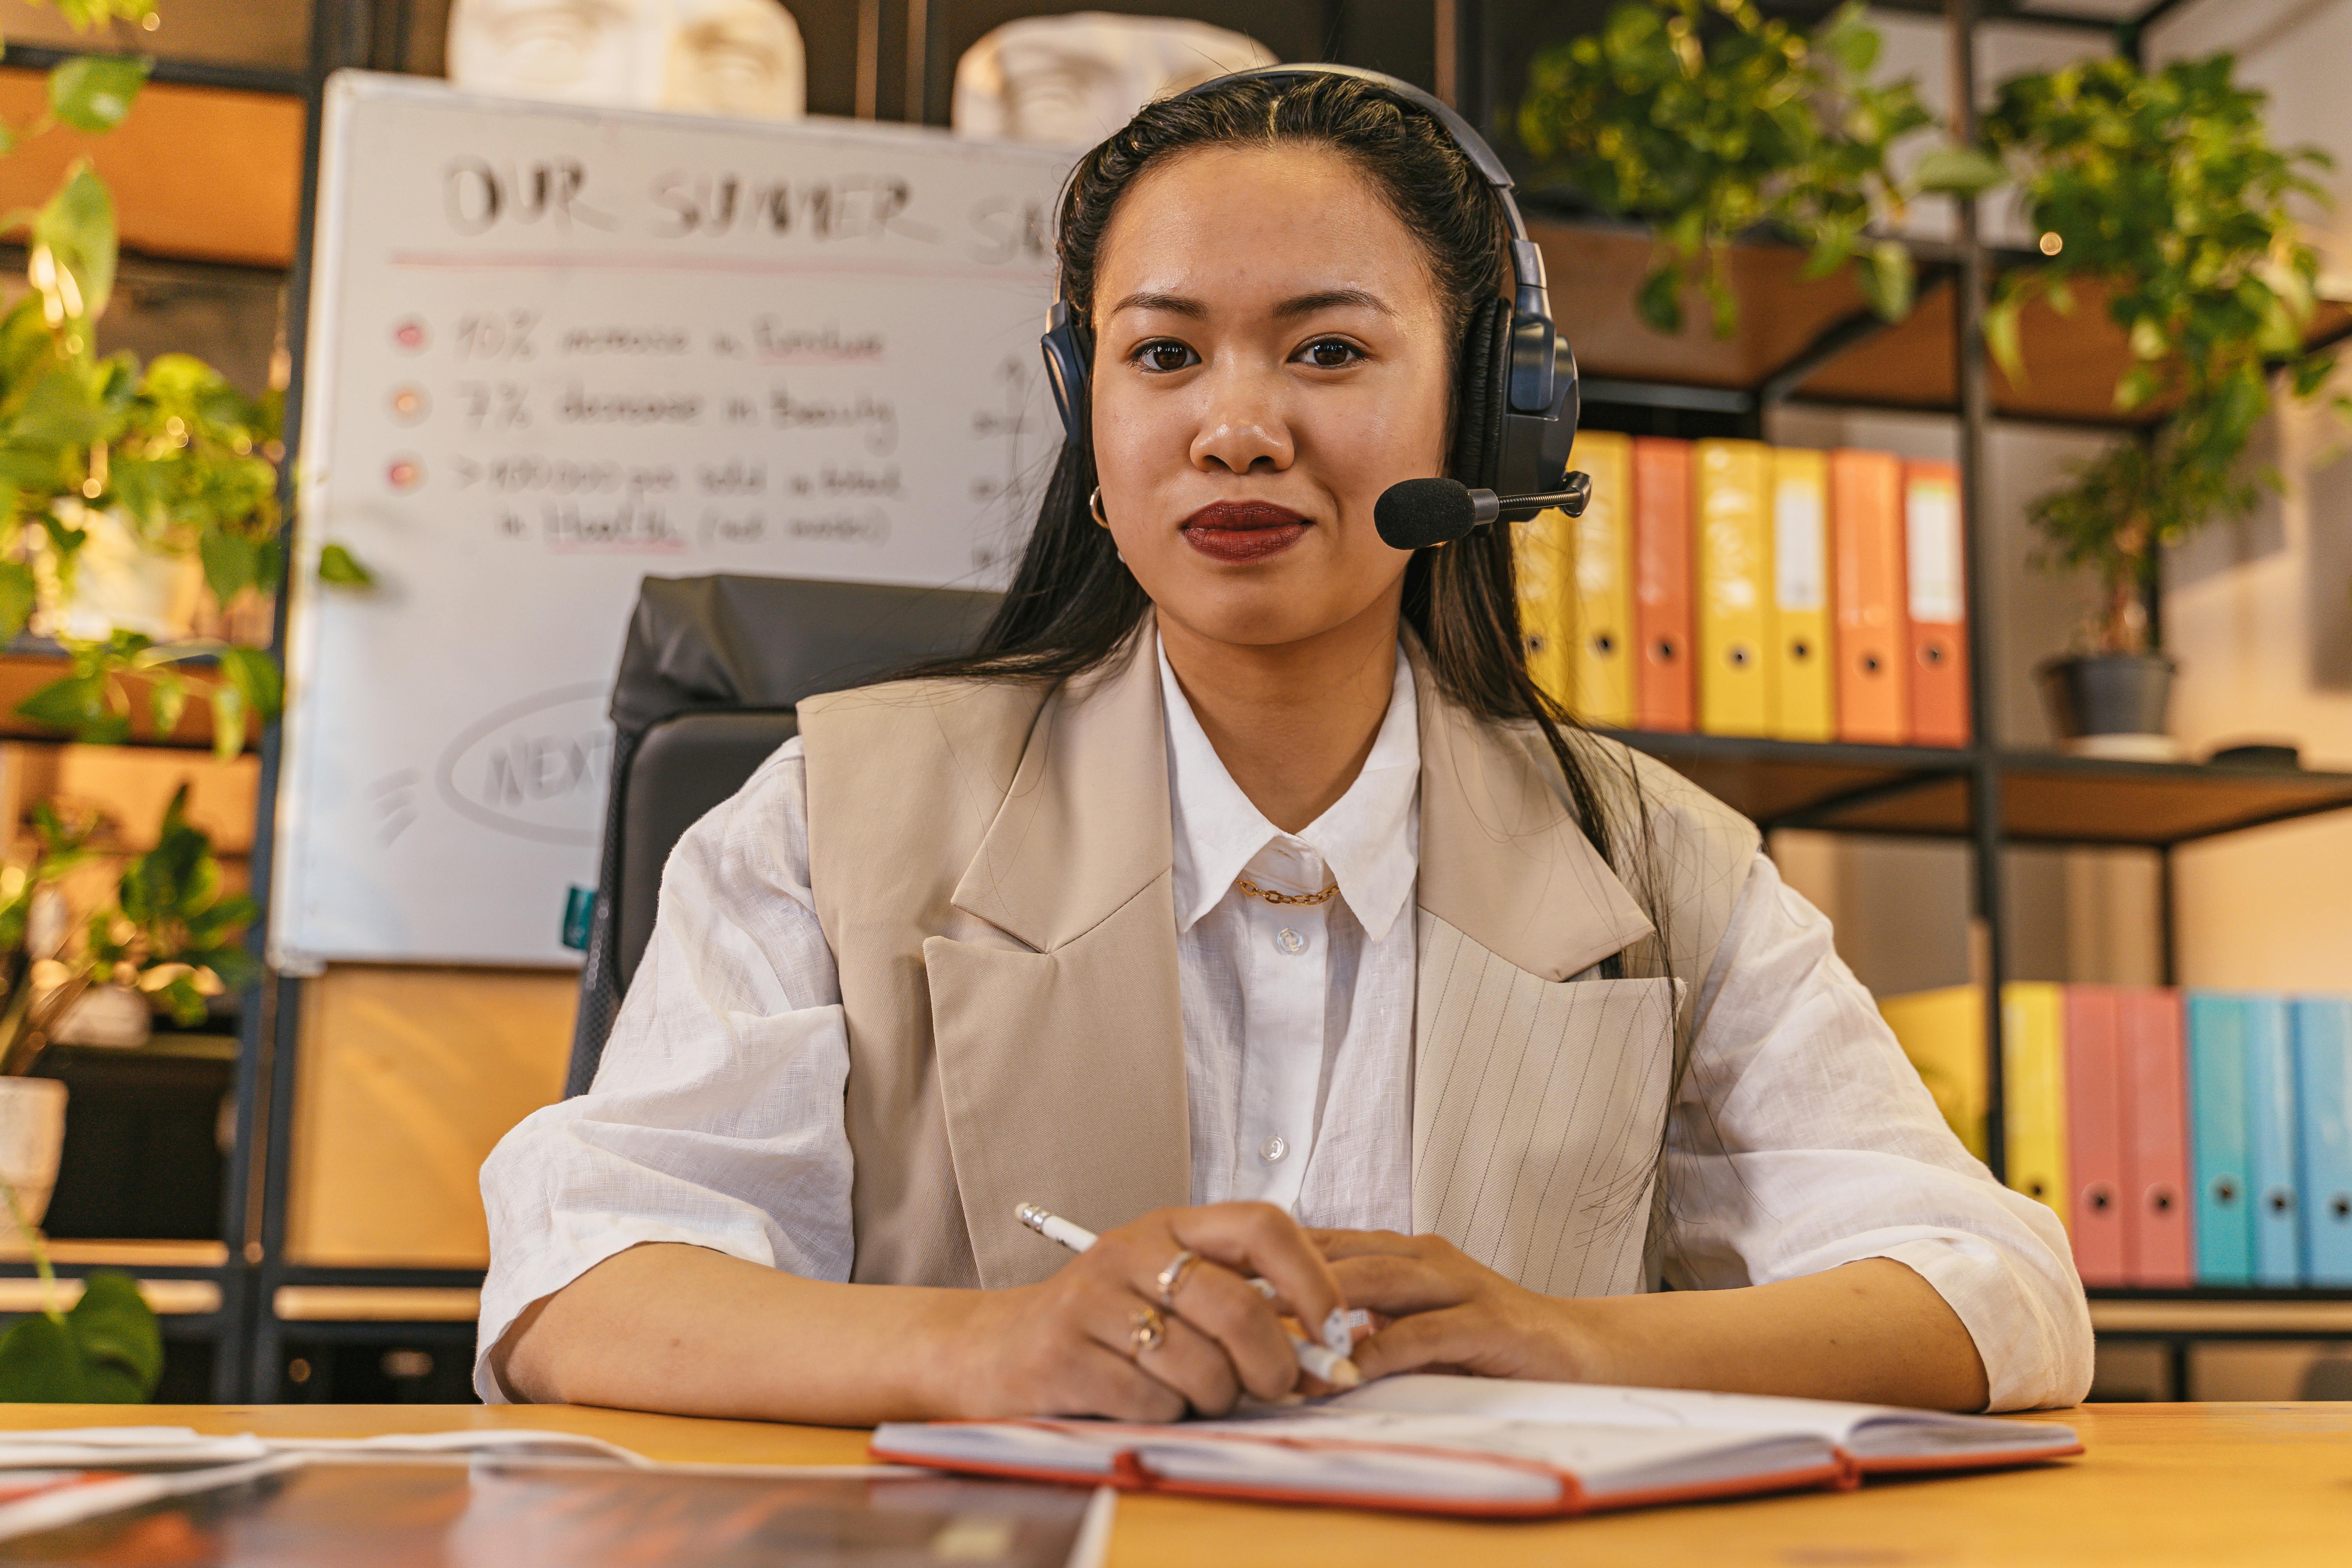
(1271, 897)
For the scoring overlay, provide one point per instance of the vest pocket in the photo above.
(1539, 1111)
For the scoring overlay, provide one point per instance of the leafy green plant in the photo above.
(172, 934)
(107, 1349)
(171, 455)
(2164, 187)
(33, 1009)
(1705, 121)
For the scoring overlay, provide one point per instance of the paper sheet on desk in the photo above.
(117, 1447)
(1873, 1435)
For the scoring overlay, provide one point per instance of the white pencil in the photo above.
(1319, 1361)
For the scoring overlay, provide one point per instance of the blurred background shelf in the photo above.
(137, 1256)
(2047, 798)
(1815, 341)
(2247, 1313)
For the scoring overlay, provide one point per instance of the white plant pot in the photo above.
(112, 1016)
(118, 583)
(32, 1137)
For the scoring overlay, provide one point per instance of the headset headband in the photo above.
(1533, 296)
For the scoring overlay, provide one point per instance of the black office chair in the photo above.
(708, 676)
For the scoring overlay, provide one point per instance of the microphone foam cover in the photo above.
(1418, 513)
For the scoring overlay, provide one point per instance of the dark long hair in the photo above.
(1072, 603)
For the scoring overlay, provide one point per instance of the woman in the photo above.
(1240, 898)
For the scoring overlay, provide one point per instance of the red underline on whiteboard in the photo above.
(559, 261)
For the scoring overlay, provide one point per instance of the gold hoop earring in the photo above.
(1094, 508)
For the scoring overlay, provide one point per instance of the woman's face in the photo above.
(1270, 355)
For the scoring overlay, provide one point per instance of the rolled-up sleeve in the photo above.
(1802, 1140)
(716, 1116)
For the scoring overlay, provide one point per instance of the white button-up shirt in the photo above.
(1801, 1139)
(1298, 1017)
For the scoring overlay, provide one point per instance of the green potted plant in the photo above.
(170, 939)
(2164, 187)
(112, 474)
(1706, 121)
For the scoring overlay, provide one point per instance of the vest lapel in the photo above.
(1502, 858)
(1057, 1022)
(1536, 1103)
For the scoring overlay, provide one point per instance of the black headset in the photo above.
(1515, 387)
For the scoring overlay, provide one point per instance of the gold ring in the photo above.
(1172, 1277)
(1149, 1330)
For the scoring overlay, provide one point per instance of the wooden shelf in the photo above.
(2222, 1314)
(375, 1304)
(1815, 339)
(204, 173)
(2046, 797)
(24, 672)
(131, 1255)
(170, 1298)
(1596, 268)
(1775, 782)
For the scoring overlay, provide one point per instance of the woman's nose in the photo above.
(1242, 427)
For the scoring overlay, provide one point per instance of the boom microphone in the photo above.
(1418, 513)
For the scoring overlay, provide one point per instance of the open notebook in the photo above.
(1485, 1446)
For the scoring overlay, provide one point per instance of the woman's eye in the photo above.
(1165, 355)
(1330, 353)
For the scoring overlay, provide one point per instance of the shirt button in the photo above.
(1273, 1149)
(1289, 942)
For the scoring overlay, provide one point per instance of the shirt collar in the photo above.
(1369, 839)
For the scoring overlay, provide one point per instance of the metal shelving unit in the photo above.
(1815, 342)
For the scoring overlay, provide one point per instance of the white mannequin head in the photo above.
(706, 57)
(1074, 79)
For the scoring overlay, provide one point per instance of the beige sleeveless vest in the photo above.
(991, 863)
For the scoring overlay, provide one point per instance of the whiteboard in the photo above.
(554, 350)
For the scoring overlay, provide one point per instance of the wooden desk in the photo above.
(2190, 1484)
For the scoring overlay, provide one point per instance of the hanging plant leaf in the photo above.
(77, 703)
(256, 675)
(229, 562)
(107, 1350)
(94, 93)
(340, 567)
(2001, 340)
(1958, 172)
(1889, 283)
(18, 593)
(75, 229)
(118, 1335)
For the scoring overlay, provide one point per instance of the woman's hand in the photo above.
(1445, 1311)
(1069, 1346)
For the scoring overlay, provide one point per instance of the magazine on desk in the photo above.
(1483, 1447)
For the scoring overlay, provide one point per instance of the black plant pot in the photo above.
(2108, 693)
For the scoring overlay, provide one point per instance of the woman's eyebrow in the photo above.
(1175, 304)
(1330, 299)
(1289, 310)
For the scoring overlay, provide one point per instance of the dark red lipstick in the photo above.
(1243, 530)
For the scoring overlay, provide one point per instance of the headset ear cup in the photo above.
(1479, 391)
(1069, 350)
